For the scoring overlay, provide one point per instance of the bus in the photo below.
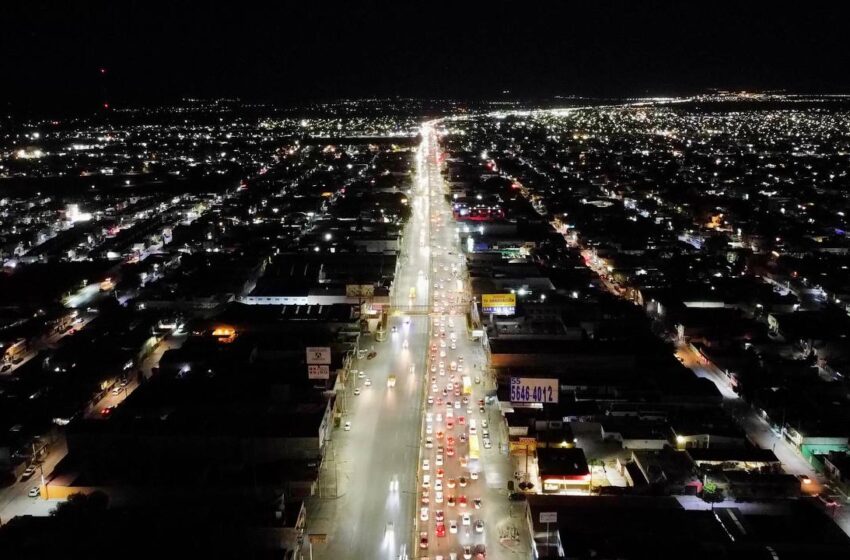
(467, 385)
(474, 453)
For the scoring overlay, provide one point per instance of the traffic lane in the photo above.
(383, 426)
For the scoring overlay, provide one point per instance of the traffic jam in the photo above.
(450, 524)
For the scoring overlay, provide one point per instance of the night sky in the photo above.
(160, 51)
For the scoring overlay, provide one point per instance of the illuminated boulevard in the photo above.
(373, 486)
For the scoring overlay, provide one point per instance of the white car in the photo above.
(439, 461)
(429, 443)
(479, 526)
(457, 404)
(426, 481)
(347, 427)
(453, 527)
(368, 382)
(465, 519)
(426, 465)
(438, 497)
(473, 475)
(453, 346)
(438, 485)
(34, 492)
(429, 429)
(357, 392)
(361, 374)
(423, 514)
(434, 388)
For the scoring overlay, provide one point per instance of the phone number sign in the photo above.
(534, 390)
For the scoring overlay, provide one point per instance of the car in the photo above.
(487, 443)
(347, 427)
(430, 399)
(361, 374)
(473, 475)
(472, 429)
(440, 473)
(6, 367)
(438, 497)
(429, 429)
(477, 503)
(461, 420)
(465, 400)
(477, 380)
(106, 412)
(357, 392)
(429, 443)
(438, 485)
(484, 424)
(438, 516)
(462, 501)
(367, 382)
(440, 434)
(28, 472)
(426, 465)
(438, 460)
(479, 526)
(462, 438)
(453, 346)
(804, 479)
(440, 530)
(423, 513)
(485, 434)
(34, 492)
(464, 461)
(457, 403)
(450, 501)
(462, 481)
(450, 441)
(434, 388)
(426, 496)
(394, 329)
(465, 519)
(450, 451)
(451, 483)
(423, 539)
(426, 481)
(453, 526)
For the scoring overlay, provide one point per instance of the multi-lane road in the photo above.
(373, 482)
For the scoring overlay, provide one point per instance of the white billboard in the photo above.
(318, 372)
(534, 390)
(318, 355)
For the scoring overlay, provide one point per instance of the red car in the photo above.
(441, 529)
(450, 441)
(461, 420)
(450, 451)
(462, 501)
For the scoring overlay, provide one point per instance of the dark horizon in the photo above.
(155, 53)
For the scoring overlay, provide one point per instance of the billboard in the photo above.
(318, 372)
(318, 355)
(534, 390)
(498, 304)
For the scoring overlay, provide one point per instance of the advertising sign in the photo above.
(498, 304)
(548, 516)
(318, 372)
(318, 355)
(534, 390)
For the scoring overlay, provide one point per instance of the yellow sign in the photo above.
(498, 303)
(523, 446)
